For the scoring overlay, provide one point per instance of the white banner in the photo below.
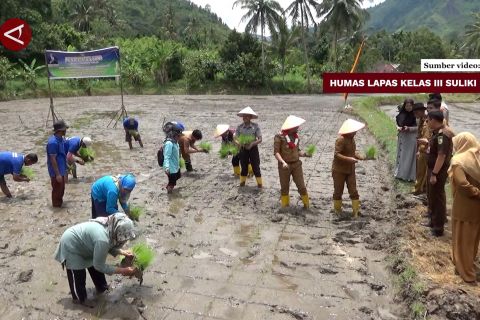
(451, 65)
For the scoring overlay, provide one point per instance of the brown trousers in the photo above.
(339, 180)
(437, 200)
(295, 170)
(58, 190)
(421, 174)
(465, 239)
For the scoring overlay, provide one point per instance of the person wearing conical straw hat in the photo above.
(286, 149)
(248, 153)
(343, 167)
(224, 131)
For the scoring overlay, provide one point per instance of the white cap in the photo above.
(87, 141)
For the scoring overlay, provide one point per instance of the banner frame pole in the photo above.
(51, 110)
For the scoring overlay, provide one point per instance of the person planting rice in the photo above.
(228, 143)
(186, 141)
(87, 245)
(248, 136)
(12, 163)
(130, 125)
(72, 147)
(343, 167)
(109, 190)
(57, 162)
(286, 148)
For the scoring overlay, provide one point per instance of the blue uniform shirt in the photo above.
(11, 163)
(106, 190)
(56, 146)
(72, 144)
(128, 126)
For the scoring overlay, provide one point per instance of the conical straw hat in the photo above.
(221, 129)
(350, 126)
(248, 111)
(292, 122)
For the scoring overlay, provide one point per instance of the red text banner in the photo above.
(401, 82)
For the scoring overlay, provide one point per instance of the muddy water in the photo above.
(222, 252)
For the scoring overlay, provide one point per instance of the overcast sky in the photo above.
(232, 17)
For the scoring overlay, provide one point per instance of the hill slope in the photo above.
(445, 17)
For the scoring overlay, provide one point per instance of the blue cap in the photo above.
(180, 126)
(128, 181)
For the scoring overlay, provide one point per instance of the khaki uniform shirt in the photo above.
(344, 148)
(440, 143)
(423, 132)
(466, 196)
(280, 145)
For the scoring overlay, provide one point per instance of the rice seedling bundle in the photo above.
(227, 149)
(182, 163)
(245, 139)
(310, 150)
(206, 146)
(133, 133)
(371, 153)
(87, 154)
(136, 212)
(27, 172)
(144, 256)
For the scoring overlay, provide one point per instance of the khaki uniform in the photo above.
(421, 173)
(465, 222)
(440, 143)
(343, 171)
(292, 158)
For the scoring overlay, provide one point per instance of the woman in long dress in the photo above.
(405, 168)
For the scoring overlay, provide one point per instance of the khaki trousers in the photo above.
(295, 170)
(339, 180)
(421, 174)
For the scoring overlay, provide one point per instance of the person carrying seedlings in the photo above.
(186, 141)
(423, 132)
(130, 124)
(224, 131)
(57, 162)
(439, 154)
(248, 153)
(286, 148)
(109, 190)
(86, 246)
(73, 145)
(464, 176)
(171, 156)
(343, 167)
(12, 163)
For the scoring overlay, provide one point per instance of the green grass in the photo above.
(371, 153)
(245, 139)
(144, 256)
(87, 154)
(227, 149)
(27, 172)
(310, 150)
(136, 212)
(207, 146)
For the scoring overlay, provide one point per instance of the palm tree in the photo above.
(300, 10)
(472, 35)
(261, 13)
(341, 17)
(283, 41)
(83, 13)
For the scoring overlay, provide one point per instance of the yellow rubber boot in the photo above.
(259, 182)
(337, 206)
(236, 170)
(355, 207)
(285, 200)
(243, 179)
(250, 171)
(306, 201)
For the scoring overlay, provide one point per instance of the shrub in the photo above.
(6, 72)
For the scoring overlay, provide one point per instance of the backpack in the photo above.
(160, 157)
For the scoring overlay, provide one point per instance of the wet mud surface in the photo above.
(221, 252)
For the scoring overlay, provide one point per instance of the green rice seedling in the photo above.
(27, 172)
(87, 154)
(133, 133)
(144, 256)
(310, 150)
(205, 146)
(182, 163)
(136, 212)
(245, 139)
(371, 153)
(227, 149)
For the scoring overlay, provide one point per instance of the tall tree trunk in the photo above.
(263, 50)
(283, 71)
(309, 86)
(335, 57)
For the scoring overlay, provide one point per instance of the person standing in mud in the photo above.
(171, 155)
(12, 163)
(464, 176)
(72, 147)
(186, 141)
(286, 148)
(423, 132)
(227, 133)
(57, 162)
(249, 153)
(109, 190)
(443, 106)
(439, 153)
(407, 142)
(87, 245)
(343, 167)
(130, 125)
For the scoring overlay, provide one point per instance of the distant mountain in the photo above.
(445, 17)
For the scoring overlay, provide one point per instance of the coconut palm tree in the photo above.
(472, 35)
(300, 11)
(341, 17)
(261, 14)
(283, 41)
(82, 15)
